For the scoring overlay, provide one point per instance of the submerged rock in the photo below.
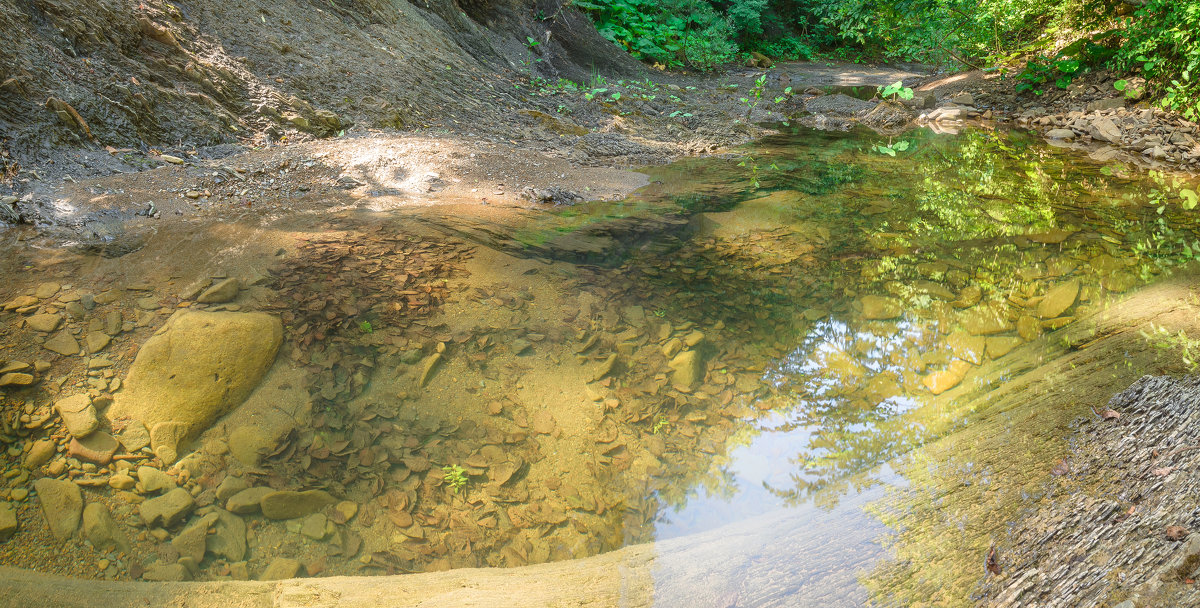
(880, 308)
(228, 538)
(199, 366)
(287, 504)
(62, 504)
(1058, 299)
(167, 510)
(8, 522)
(280, 568)
(100, 528)
(687, 369)
(222, 292)
(942, 381)
(248, 500)
(192, 541)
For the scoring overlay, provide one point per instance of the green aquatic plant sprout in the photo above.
(896, 89)
(455, 477)
(366, 327)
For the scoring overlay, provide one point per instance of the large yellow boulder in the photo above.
(195, 369)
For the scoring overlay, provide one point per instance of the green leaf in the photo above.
(900, 146)
(1120, 85)
(1190, 198)
(616, 96)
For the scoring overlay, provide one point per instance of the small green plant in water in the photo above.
(660, 425)
(755, 95)
(455, 477)
(366, 328)
(896, 89)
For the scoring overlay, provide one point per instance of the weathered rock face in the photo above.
(196, 368)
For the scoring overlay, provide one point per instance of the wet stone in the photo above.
(192, 540)
(228, 538)
(984, 320)
(100, 528)
(47, 290)
(15, 379)
(62, 343)
(280, 568)
(998, 346)
(75, 311)
(287, 504)
(1029, 328)
(62, 505)
(121, 481)
(942, 381)
(97, 341)
(230, 486)
(687, 369)
(247, 501)
(134, 437)
(113, 322)
(428, 367)
(44, 322)
(162, 573)
(880, 308)
(78, 414)
(314, 526)
(97, 447)
(223, 291)
(1058, 299)
(543, 422)
(40, 453)
(167, 510)
(8, 522)
(153, 480)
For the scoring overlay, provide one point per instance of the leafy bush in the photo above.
(790, 48)
(1163, 41)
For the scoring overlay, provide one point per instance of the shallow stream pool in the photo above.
(785, 367)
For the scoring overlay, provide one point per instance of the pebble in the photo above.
(121, 481)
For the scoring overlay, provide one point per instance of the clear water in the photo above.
(847, 311)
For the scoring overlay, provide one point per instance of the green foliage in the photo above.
(366, 328)
(455, 477)
(896, 89)
(1163, 41)
(1060, 69)
(892, 149)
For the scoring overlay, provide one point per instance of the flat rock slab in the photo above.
(62, 504)
(198, 367)
(63, 343)
(98, 447)
(286, 504)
